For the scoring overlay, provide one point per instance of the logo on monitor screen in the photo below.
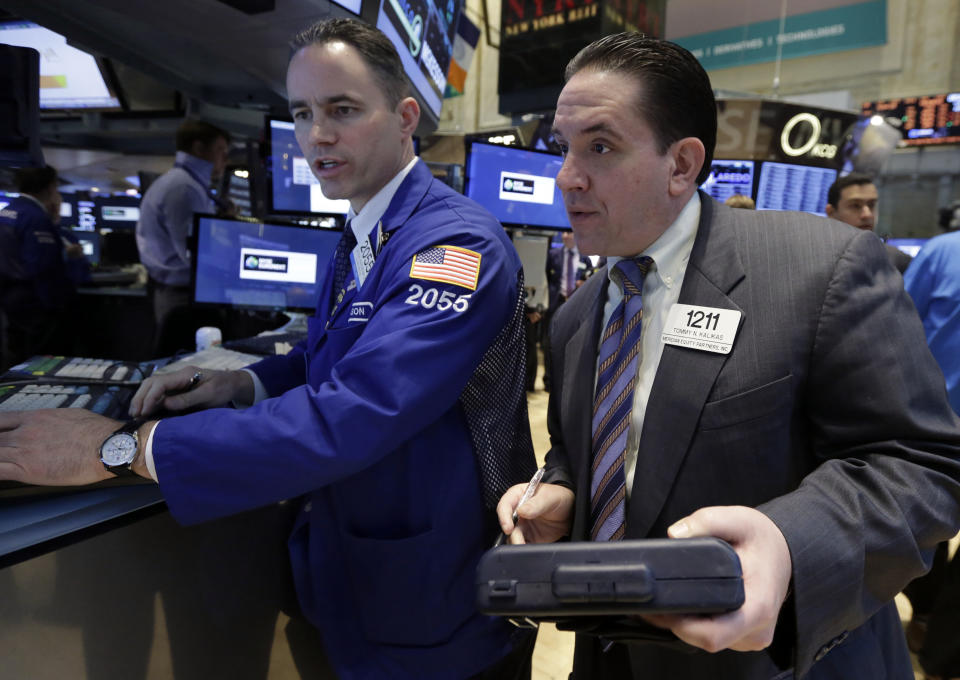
(526, 188)
(265, 264)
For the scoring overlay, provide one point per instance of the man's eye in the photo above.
(600, 148)
(343, 110)
(564, 148)
(302, 114)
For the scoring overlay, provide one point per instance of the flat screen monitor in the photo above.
(293, 188)
(728, 178)
(118, 212)
(784, 186)
(517, 185)
(350, 5)
(87, 215)
(69, 78)
(90, 242)
(423, 33)
(259, 265)
(6, 197)
(68, 210)
(911, 246)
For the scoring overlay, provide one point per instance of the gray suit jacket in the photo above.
(829, 415)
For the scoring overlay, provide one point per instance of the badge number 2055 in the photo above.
(431, 297)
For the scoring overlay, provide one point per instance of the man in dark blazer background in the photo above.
(811, 430)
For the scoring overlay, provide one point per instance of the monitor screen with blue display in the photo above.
(258, 264)
(910, 246)
(517, 185)
(293, 188)
(728, 178)
(784, 186)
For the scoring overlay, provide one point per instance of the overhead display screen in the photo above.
(923, 120)
(517, 185)
(784, 186)
(423, 32)
(728, 178)
(69, 78)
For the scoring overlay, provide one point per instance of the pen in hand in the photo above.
(527, 495)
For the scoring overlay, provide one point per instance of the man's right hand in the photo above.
(544, 518)
(172, 391)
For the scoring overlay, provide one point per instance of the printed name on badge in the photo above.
(362, 259)
(709, 329)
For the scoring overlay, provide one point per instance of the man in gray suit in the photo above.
(778, 393)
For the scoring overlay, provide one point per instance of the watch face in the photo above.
(119, 449)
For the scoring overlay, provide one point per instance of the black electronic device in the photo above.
(80, 369)
(20, 106)
(729, 178)
(259, 265)
(107, 400)
(788, 186)
(90, 242)
(517, 185)
(557, 581)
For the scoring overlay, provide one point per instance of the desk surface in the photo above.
(29, 522)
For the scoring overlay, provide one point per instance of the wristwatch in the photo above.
(119, 450)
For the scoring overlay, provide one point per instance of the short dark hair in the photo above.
(852, 180)
(193, 130)
(35, 181)
(374, 47)
(678, 99)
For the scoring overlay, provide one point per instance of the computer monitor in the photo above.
(69, 78)
(6, 197)
(118, 212)
(68, 209)
(517, 185)
(785, 186)
(728, 178)
(292, 188)
(259, 265)
(90, 242)
(911, 246)
(88, 215)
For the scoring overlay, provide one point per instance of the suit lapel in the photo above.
(685, 376)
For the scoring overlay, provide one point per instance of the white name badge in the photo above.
(362, 259)
(710, 329)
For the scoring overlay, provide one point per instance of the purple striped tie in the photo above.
(613, 404)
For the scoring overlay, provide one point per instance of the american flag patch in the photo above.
(447, 264)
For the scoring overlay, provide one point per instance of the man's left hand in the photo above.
(56, 447)
(766, 565)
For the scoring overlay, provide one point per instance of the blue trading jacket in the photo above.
(31, 267)
(369, 421)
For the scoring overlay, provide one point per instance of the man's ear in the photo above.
(409, 111)
(688, 156)
(830, 210)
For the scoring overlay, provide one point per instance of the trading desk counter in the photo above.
(102, 583)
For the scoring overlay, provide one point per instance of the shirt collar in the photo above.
(364, 221)
(670, 252)
(197, 166)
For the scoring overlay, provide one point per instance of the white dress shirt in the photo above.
(661, 290)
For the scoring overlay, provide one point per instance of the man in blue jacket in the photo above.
(401, 418)
(35, 286)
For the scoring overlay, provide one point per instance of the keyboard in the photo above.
(76, 368)
(107, 400)
(215, 358)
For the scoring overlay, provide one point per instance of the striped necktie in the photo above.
(342, 269)
(612, 407)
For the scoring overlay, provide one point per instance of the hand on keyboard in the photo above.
(183, 390)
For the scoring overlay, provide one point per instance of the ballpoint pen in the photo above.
(527, 495)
